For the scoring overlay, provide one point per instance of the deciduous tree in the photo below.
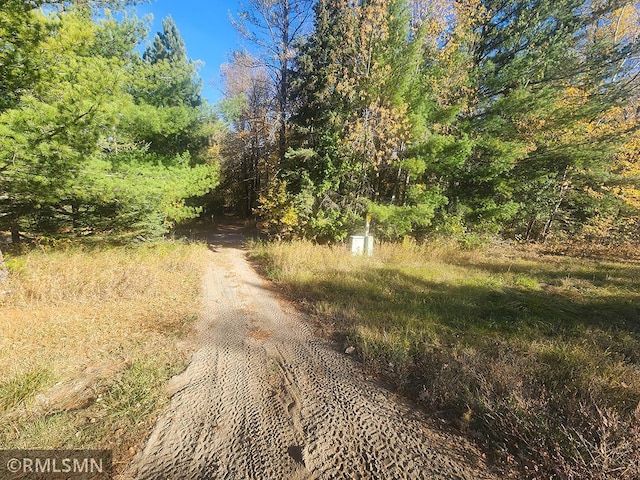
(275, 26)
(251, 141)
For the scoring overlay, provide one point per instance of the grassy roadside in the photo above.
(536, 357)
(88, 339)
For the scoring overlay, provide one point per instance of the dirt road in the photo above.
(263, 399)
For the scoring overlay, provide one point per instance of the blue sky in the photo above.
(206, 30)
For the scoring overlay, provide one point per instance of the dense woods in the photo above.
(434, 116)
(455, 117)
(96, 137)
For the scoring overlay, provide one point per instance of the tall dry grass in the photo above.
(535, 356)
(87, 339)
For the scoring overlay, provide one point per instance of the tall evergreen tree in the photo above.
(56, 125)
(171, 79)
(354, 84)
(541, 81)
(21, 34)
(74, 150)
(167, 45)
(167, 89)
(502, 107)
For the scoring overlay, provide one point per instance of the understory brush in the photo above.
(537, 357)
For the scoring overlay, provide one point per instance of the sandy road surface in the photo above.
(263, 399)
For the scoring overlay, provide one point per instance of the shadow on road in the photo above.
(231, 232)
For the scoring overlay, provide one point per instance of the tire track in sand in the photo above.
(263, 399)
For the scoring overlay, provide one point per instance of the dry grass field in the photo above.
(536, 356)
(88, 339)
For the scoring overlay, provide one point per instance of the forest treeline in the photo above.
(433, 116)
(99, 135)
(436, 116)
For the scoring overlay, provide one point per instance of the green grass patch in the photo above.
(139, 390)
(22, 387)
(538, 356)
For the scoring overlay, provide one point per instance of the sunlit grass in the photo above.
(539, 355)
(22, 388)
(88, 338)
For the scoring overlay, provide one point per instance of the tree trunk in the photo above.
(15, 233)
(284, 83)
(564, 187)
(4, 274)
(75, 214)
(396, 188)
(530, 226)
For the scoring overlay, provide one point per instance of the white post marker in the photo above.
(368, 239)
(363, 244)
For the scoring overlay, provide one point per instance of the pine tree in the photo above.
(167, 45)
(171, 77)
(355, 84)
(74, 145)
(56, 124)
(21, 34)
(541, 81)
(320, 112)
